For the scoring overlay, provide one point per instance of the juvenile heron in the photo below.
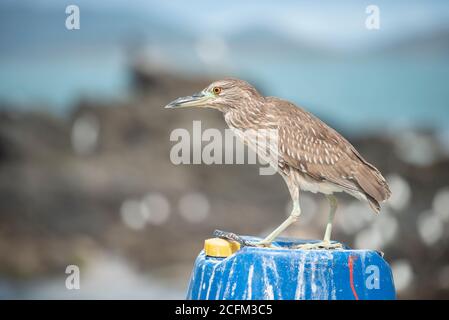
(311, 156)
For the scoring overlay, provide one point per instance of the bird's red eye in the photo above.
(216, 90)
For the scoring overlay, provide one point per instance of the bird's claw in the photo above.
(234, 237)
(231, 236)
(323, 245)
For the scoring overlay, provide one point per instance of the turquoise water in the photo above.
(56, 86)
(375, 92)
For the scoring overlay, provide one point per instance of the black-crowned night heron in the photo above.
(311, 156)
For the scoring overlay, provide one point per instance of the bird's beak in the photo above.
(197, 100)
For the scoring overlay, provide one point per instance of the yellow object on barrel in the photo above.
(217, 247)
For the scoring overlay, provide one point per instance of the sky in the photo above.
(333, 23)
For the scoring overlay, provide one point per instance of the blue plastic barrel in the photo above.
(253, 273)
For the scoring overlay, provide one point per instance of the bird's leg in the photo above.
(326, 243)
(294, 215)
(333, 208)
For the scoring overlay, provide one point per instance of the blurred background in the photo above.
(85, 172)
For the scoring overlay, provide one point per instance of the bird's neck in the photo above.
(243, 116)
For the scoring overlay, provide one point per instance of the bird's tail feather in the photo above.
(374, 185)
(373, 203)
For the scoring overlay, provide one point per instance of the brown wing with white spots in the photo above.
(318, 151)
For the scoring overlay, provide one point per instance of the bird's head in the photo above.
(222, 95)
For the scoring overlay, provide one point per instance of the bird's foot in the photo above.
(234, 237)
(323, 245)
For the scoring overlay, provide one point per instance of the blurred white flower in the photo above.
(402, 274)
(158, 207)
(85, 133)
(380, 233)
(416, 148)
(134, 214)
(401, 193)
(441, 204)
(194, 207)
(355, 216)
(430, 227)
(387, 225)
(370, 238)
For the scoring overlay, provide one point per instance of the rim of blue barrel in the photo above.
(284, 244)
